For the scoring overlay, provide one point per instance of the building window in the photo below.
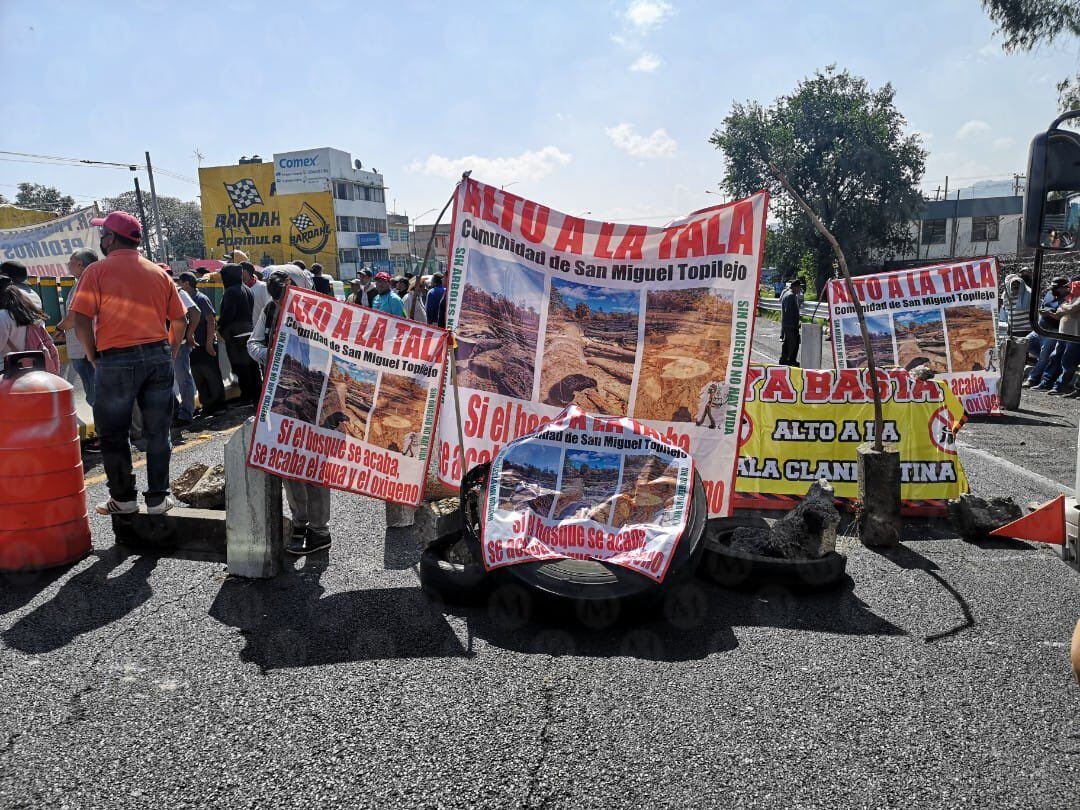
(370, 225)
(933, 231)
(343, 223)
(984, 229)
(341, 191)
(347, 255)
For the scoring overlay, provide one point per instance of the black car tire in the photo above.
(737, 569)
(454, 583)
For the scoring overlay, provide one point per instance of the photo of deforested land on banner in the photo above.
(589, 347)
(920, 339)
(398, 413)
(303, 373)
(346, 404)
(590, 481)
(530, 477)
(687, 342)
(498, 326)
(880, 331)
(972, 343)
(647, 493)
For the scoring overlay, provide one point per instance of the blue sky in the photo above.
(588, 106)
(598, 299)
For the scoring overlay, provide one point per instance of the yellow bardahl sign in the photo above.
(800, 425)
(242, 209)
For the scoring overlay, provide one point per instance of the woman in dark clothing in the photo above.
(234, 325)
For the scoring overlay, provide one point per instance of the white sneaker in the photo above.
(115, 507)
(167, 503)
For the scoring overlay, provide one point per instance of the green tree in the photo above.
(844, 148)
(1025, 24)
(181, 221)
(43, 198)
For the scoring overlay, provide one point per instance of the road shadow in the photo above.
(19, 589)
(692, 620)
(88, 601)
(1020, 418)
(400, 549)
(287, 621)
(911, 560)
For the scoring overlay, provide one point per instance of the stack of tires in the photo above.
(451, 570)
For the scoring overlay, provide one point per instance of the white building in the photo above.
(947, 229)
(359, 203)
(400, 243)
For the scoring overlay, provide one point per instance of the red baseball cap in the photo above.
(122, 224)
(383, 277)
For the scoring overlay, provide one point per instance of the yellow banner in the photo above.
(241, 209)
(800, 425)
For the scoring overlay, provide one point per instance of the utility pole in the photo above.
(162, 252)
(138, 201)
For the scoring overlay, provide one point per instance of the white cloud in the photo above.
(644, 15)
(659, 144)
(1003, 143)
(646, 63)
(496, 170)
(991, 49)
(970, 128)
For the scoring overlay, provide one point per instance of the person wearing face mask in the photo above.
(120, 312)
(309, 503)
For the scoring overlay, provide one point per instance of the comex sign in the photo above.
(298, 172)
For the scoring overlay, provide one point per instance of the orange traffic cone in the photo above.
(1045, 525)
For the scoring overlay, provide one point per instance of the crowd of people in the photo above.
(143, 341)
(1053, 362)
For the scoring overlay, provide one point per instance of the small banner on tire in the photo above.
(351, 398)
(588, 487)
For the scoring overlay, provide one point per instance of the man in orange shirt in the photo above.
(121, 308)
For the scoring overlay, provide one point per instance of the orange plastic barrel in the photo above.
(43, 519)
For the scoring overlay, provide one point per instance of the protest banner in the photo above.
(588, 487)
(800, 425)
(550, 310)
(944, 317)
(45, 248)
(351, 398)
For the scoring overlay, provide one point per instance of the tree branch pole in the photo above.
(427, 250)
(879, 419)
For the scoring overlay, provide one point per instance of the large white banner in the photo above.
(45, 248)
(944, 317)
(551, 310)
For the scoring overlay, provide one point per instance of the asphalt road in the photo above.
(937, 677)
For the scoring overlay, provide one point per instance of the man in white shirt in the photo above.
(79, 261)
(259, 294)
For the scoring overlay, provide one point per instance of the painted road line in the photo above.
(1049, 483)
(97, 479)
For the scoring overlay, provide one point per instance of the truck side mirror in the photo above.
(1052, 211)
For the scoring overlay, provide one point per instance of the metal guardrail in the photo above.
(809, 309)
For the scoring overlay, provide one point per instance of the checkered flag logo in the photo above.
(302, 221)
(243, 193)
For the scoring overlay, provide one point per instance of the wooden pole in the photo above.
(871, 366)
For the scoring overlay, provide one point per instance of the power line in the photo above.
(76, 161)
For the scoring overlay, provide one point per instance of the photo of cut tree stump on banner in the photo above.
(588, 487)
(351, 398)
(552, 310)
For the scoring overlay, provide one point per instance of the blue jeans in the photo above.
(184, 385)
(1068, 358)
(85, 369)
(1034, 340)
(1043, 365)
(143, 375)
